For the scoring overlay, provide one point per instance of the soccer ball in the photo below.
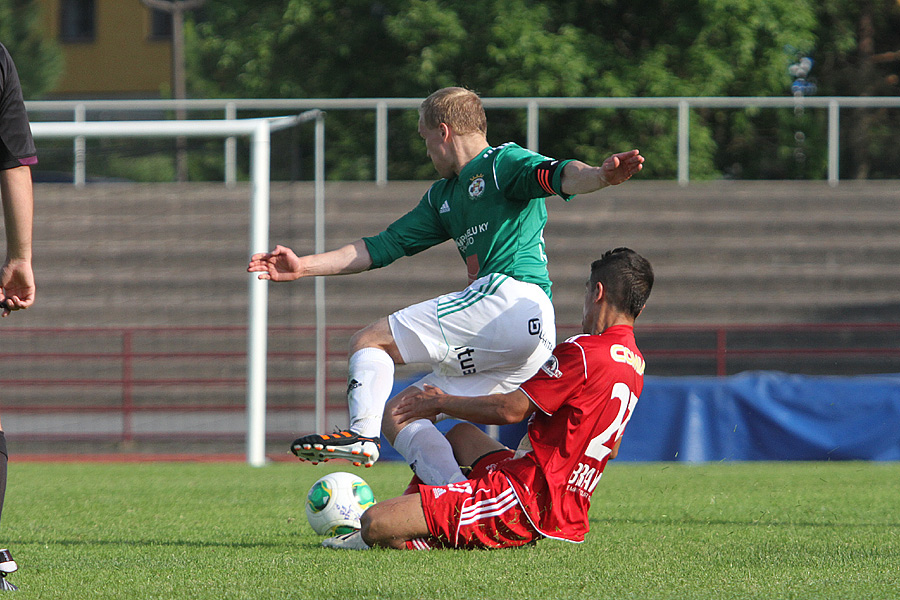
(335, 503)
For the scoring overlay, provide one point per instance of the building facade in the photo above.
(112, 48)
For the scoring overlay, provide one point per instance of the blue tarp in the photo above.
(760, 415)
(766, 416)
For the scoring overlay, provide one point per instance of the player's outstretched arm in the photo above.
(281, 264)
(581, 178)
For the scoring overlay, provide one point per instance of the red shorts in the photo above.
(475, 513)
(482, 467)
(487, 463)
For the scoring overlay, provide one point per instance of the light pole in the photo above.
(177, 9)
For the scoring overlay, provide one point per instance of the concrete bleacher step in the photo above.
(150, 254)
(126, 256)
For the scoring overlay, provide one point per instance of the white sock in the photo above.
(371, 380)
(429, 453)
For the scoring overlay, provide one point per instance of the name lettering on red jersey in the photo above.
(621, 354)
(584, 479)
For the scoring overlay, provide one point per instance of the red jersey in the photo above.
(586, 393)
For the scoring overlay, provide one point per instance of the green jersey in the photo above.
(494, 210)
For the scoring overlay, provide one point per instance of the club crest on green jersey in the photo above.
(476, 187)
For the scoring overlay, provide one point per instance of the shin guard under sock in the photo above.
(428, 452)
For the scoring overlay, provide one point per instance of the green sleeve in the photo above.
(517, 174)
(417, 230)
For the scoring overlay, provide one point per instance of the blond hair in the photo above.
(458, 107)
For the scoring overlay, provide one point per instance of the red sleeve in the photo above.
(563, 376)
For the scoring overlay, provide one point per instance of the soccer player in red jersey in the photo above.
(579, 403)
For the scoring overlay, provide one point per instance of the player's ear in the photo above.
(598, 292)
(445, 131)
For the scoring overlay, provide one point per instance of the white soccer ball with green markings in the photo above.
(335, 503)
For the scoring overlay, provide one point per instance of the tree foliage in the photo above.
(597, 48)
(38, 59)
(859, 55)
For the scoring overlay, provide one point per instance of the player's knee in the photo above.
(361, 339)
(459, 433)
(376, 335)
(375, 528)
(365, 527)
(390, 426)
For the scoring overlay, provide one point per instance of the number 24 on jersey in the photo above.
(586, 477)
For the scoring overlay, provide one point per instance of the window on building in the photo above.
(160, 25)
(78, 21)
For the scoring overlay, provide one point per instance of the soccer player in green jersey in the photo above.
(488, 338)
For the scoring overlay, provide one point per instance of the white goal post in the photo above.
(260, 132)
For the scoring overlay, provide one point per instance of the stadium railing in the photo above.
(230, 108)
(155, 384)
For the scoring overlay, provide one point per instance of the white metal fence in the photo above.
(230, 109)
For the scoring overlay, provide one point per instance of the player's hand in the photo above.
(420, 404)
(16, 286)
(619, 168)
(281, 264)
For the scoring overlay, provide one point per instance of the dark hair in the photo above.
(627, 278)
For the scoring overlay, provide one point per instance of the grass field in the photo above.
(188, 530)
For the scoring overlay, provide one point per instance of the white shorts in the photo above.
(488, 338)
